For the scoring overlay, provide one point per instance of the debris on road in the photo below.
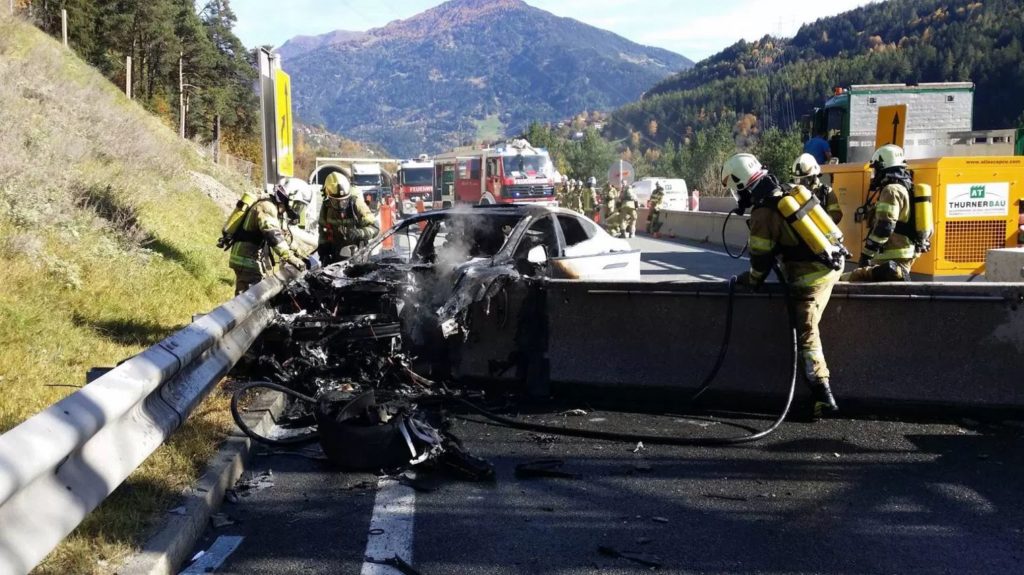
(639, 447)
(219, 520)
(659, 519)
(575, 412)
(543, 468)
(396, 562)
(255, 482)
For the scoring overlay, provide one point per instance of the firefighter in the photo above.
(576, 196)
(807, 173)
(261, 242)
(590, 199)
(346, 222)
(627, 209)
(888, 252)
(609, 213)
(654, 213)
(773, 239)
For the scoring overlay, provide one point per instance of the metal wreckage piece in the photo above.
(354, 339)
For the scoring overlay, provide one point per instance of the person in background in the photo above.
(819, 148)
(627, 209)
(654, 213)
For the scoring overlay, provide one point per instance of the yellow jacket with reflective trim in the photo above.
(771, 237)
(271, 225)
(894, 205)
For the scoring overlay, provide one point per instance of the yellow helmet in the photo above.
(337, 187)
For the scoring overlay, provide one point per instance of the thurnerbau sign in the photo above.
(972, 200)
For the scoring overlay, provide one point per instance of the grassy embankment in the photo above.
(106, 246)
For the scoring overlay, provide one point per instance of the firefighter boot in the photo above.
(823, 400)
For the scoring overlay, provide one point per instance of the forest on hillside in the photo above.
(217, 70)
(769, 84)
(899, 41)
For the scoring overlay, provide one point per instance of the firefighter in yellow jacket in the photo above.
(773, 239)
(345, 220)
(627, 211)
(261, 242)
(807, 173)
(654, 210)
(889, 251)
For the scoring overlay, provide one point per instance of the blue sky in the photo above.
(696, 29)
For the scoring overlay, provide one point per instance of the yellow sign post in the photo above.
(283, 124)
(892, 124)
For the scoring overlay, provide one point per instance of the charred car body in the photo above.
(443, 296)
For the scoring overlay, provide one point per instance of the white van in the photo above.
(675, 192)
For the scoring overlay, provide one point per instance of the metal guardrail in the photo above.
(60, 464)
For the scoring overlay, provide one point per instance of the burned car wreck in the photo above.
(372, 346)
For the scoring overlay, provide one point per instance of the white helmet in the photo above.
(889, 156)
(296, 190)
(741, 171)
(592, 181)
(805, 166)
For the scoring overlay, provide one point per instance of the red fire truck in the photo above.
(414, 181)
(507, 173)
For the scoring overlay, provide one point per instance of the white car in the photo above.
(535, 240)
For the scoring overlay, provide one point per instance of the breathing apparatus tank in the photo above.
(821, 218)
(814, 226)
(924, 222)
(236, 218)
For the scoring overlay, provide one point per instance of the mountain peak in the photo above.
(451, 14)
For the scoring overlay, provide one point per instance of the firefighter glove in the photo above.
(295, 262)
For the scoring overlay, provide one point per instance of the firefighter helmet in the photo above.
(805, 166)
(336, 186)
(888, 156)
(740, 172)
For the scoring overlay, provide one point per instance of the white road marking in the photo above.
(391, 527)
(215, 556)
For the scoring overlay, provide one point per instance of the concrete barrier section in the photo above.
(1005, 265)
(941, 344)
(702, 227)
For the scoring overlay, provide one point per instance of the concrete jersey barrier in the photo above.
(928, 344)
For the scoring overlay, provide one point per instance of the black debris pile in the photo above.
(336, 347)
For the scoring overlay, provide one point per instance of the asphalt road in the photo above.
(673, 260)
(837, 497)
(840, 496)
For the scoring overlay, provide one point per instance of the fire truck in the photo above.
(414, 181)
(514, 172)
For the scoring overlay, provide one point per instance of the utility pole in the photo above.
(216, 149)
(181, 94)
(128, 77)
(64, 26)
